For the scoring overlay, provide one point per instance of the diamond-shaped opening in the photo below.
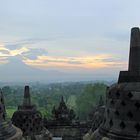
(123, 103)
(117, 113)
(130, 95)
(104, 121)
(27, 125)
(118, 94)
(110, 123)
(24, 120)
(20, 125)
(137, 127)
(108, 111)
(112, 102)
(109, 93)
(130, 114)
(137, 105)
(122, 125)
(4, 117)
(1, 100)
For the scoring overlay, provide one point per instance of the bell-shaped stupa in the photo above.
(122, 110)
(7, 130)
(30, 120)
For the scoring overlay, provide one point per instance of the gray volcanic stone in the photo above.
(29, 120)
(122, 110)
(7, 130)
(122, 116)
(133, 73)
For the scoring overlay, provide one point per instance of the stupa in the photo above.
(29, 119)
(7, 130)
(62, 114)
(64, 123)
(122, 113)
(96, 118)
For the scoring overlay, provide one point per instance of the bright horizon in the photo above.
(65, 40)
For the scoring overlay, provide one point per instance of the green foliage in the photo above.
(10, 111)
(82, 97)
(89, 98)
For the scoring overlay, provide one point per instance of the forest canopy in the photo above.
(80, 96)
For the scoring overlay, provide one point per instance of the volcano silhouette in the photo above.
(17, 70)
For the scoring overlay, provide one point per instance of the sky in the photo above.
(65, 39)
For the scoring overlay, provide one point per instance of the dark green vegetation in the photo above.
(82, 97)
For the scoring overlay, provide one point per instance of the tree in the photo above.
(89, 98)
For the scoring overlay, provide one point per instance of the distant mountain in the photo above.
(16, 70)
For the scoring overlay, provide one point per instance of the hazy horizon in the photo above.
(52, 41)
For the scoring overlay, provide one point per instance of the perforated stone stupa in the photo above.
(63, 115)
(122, 115)
(121, 119)
(29, 119)
(7, 130)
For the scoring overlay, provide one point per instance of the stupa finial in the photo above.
(2, 107)
(134, 57)
(27, 97)
(133, 73)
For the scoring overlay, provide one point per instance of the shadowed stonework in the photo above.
(30, 120)
(7, 130)
(133, 73)
(64, 123)
(63, 115)
(122, 111)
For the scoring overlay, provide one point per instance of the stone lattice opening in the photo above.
(117, 113)
(122, 125)
(130, 114)
(137, 105)
(130, 95)
(111, 123)
(112, 102)
(123, 103)
(137, 127)
(118, 94)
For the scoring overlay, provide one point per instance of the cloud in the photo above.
(33, 53)
(3, 60)
(40, 58)
(5, 52)
(23, 42)
(22, 48)
(88, 62)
